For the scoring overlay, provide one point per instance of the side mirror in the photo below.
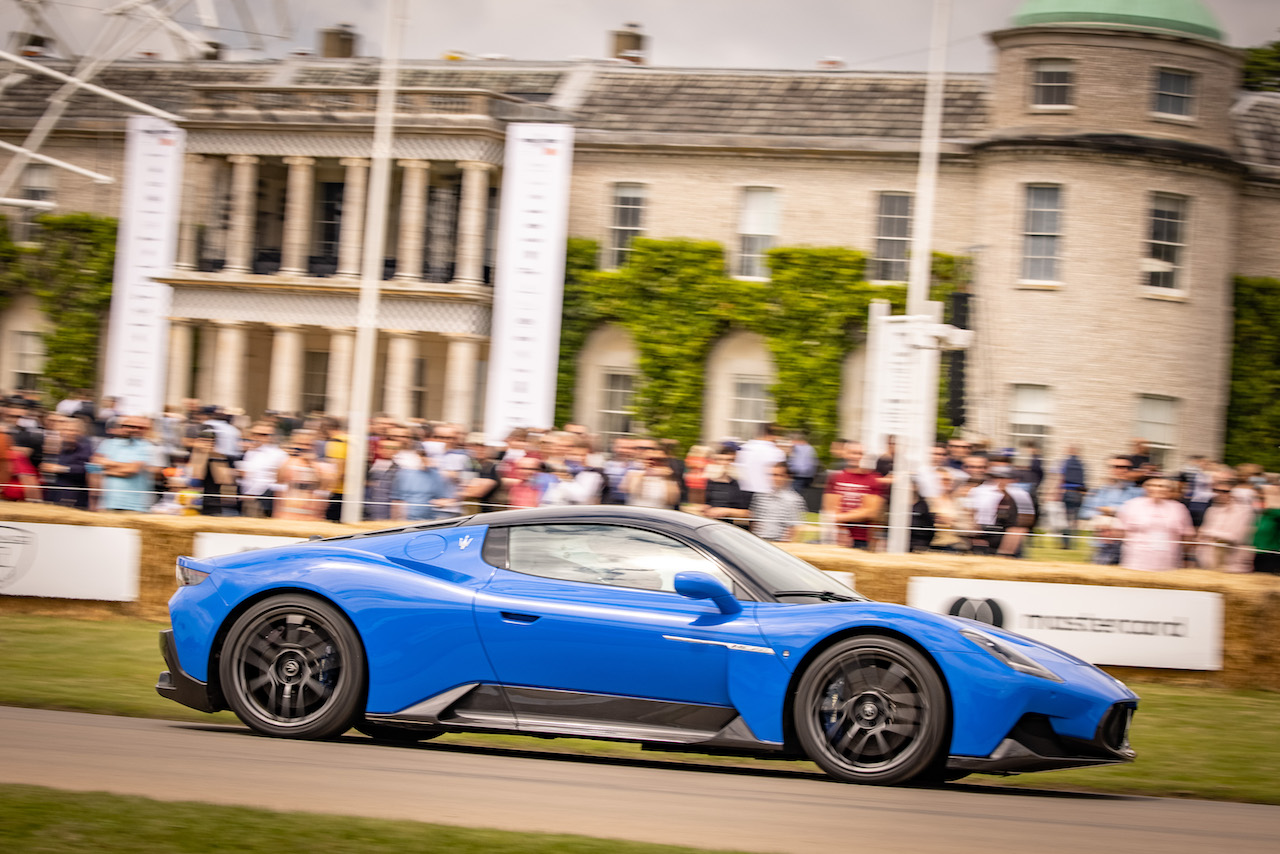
(701, 585)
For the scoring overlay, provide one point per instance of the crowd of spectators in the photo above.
(199, 459)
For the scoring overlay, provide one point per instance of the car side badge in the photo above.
(464, 541)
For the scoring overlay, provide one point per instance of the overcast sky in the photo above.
(866, 34)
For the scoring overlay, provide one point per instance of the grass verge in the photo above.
(36, 820)
(1191, 741)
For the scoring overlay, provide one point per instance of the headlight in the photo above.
(1007, 655)
(188, 576)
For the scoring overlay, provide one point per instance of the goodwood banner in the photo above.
(69, 561)
(1124, 626)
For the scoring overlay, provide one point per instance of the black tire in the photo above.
(872, 709)
(293, 667)
(398, 734)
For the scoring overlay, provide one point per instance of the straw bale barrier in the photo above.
(1251, 642)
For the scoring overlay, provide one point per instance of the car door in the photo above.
(583, 625)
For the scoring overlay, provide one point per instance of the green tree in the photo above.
(1253, 412)
(1262, 68)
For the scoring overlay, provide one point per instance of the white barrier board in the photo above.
(1125, 626)
(212, 545)
(69, 561)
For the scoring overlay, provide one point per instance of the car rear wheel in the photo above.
(872, 709)
(293, 667)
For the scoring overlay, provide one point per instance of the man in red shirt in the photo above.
(853, 495)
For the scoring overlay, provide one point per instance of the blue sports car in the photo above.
(652, 626)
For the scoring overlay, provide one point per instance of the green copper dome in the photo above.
(1184, 17)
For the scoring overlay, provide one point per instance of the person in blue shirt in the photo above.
(129, 464)
(1102, 505)
(421, 493)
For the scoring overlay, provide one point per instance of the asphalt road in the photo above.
(697, 805)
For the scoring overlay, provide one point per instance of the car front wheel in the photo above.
(293, 667)
(872, 709)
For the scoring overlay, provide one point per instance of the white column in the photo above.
(297, 216)
(244, 204)
(402, 349)
(228, 372)
(460, 378)
(469, 263)
(284, 385)
(193, 188)
(413, 217)
(353, 199)
(337, 390)
(206, 367)
(178, 380)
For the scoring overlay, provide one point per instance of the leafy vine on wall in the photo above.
(70, 272)
(676, 299)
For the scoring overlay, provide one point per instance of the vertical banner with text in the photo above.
(528, 290)
(138, 338)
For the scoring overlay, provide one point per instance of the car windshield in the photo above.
(775, 569)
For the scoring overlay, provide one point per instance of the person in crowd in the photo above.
(128, 462)
(957, 452)
(65, 469)
(695, 474)
(1073, 485)
(304, 480)
(380, 480)
(483, 492)
(1266, 535)
(1140, 455)
(618, 467)
(655, 484)
(951, 521)
(332, 449)
(777, 515)
(725, 498)
(1197, 487)
(215, 474)
(1102, 505)
(1156, 529)
(675, 462)
(23, 483)
(1225, 534)
(575, 481)
(422, 493)
(1006, 510)
(756, 458)
(853, 499)
(259, 468)
(527, 482)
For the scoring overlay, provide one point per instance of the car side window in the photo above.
(605, 554)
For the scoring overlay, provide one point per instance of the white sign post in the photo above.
(528, 290)
(138, 339)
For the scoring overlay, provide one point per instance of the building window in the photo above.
(1030, 415)
(37, 186)
(757, 231)
(751, 407)
(315, 379)
(418, 388)
(1157, 425)
(329, 225)
(1168, 233)
(617, 412)
(1051, 83)
(1175, 92)
(28, 357)
(628, 221)
(893, 237)
(1041, 234)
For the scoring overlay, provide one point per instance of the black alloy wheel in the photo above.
(872, 709)
(293, 667)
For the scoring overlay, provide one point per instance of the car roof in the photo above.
(668, 520)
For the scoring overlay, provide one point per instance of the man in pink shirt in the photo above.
(853, 495)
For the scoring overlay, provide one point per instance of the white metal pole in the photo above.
(909, 450)
(371, 268)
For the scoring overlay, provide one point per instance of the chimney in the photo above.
(338, 42)
(33, 44)
(630, 43)
(212, 50)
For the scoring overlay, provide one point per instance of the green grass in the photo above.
(35, 820)
(1191, 741)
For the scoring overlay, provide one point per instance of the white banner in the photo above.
(528, 289)
(69, 561)
(138, 337)
(1126, 626)
(212, 545)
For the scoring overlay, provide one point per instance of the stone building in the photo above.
(1109, 178)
